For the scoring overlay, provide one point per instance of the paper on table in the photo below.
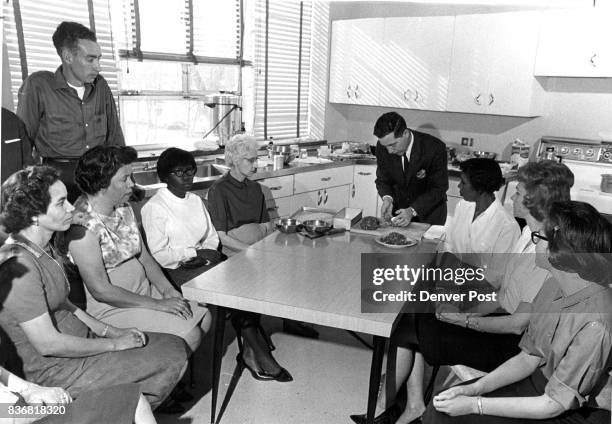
(435, 232)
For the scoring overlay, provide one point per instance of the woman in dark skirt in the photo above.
(483, 339)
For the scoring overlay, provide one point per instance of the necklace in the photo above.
(51, 255)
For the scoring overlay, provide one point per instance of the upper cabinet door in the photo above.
(513, 89)
(492, 65)
(575, 43)
(471, 64)
(355, 61)
(415, 67)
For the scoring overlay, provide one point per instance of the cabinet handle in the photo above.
(325, 191)
(276, 188)
(477, 99)
(406, 93)
(348, 91)
(272, 209)
(491, 99)
(593, 62)
(326, 179)
(353, 192)
(364, 173)
(416, 96)
(319, 198)
(356, 91)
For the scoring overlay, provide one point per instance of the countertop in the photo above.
(266, 170)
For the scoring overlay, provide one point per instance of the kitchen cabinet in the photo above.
(355, 61)
(575, 43)
(414, 71)
(363, 190)
(492, 65)
(318, 180)
(280, 207)
(278, 192)
(328, 188)
(334, 198)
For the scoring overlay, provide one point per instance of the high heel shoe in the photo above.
(389, 416)
(282, 376)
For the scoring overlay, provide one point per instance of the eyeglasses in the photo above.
(536, 237)
(184, 172)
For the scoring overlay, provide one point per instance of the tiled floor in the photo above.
(330, 382)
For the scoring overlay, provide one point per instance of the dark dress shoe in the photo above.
(389, 416)
(299, 329)
(281, 376)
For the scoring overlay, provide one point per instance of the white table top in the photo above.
(291, 276)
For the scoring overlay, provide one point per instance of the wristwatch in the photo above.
(413, 211)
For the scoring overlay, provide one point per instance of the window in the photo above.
(189, 30)
(171, 54)
(39, 19)
(282, 68)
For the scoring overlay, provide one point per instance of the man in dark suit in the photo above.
(411, 173)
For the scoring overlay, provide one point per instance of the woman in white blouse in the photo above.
(179, 232)
(479, 341)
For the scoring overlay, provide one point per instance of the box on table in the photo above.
(346, 218)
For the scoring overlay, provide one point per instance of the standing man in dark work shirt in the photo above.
(72, 110)
(411, 173)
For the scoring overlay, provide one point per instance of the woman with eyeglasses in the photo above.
(238, 211)
(124, 285)
(485, 338)
(179, 231)
(562, 374)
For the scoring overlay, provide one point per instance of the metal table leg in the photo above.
(375, 370)
(217, 356)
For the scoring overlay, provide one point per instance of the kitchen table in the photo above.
(310, 280)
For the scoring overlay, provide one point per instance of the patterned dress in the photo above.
(120, 243)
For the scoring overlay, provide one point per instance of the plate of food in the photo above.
(395, 240)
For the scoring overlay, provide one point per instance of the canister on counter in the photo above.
(303, 153)
(278, 162)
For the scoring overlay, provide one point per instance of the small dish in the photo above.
(411, 242)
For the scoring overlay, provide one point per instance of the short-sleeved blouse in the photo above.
(32, 283)
(117, 234)
(573, 336)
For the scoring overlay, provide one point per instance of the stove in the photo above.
(588, 160)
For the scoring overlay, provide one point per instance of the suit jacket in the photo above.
(425, 182)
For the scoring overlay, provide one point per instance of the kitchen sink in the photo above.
(146, 177)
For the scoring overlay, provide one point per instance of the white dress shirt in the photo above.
(176, 227)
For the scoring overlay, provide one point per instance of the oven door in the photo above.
(587, 184)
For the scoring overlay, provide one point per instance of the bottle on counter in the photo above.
(270, 149)
(520, 152)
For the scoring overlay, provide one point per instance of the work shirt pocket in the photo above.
(99, 128)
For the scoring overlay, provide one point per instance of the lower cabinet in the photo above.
(363, 193)
(280, 207)
(334, 198)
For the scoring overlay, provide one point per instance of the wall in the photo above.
(574, 107)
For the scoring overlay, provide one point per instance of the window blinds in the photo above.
(39, 20)
(282, 68)
(181, 30)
